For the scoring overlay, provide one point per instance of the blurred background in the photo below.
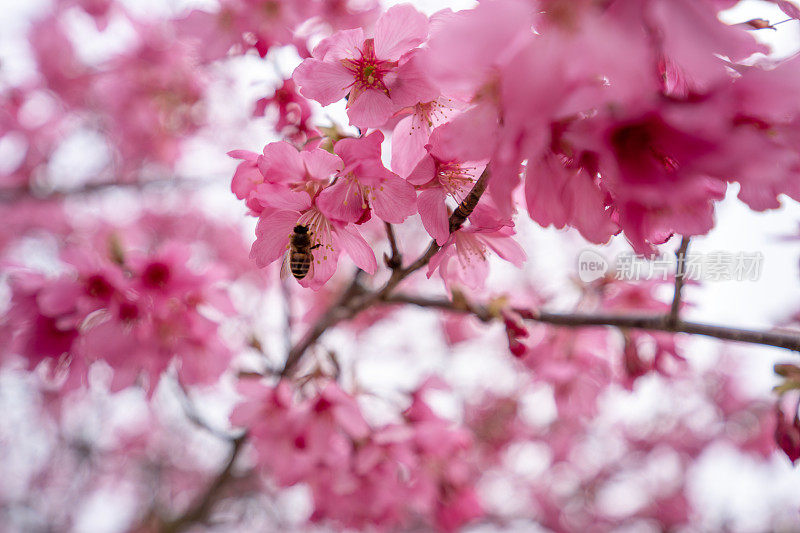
(730, 490)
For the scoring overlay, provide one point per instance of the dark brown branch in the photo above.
(335, 314)
(11, 194)
(201, 510)
(396, 260)
(779, 339)
(356, 299)
(465, 208)
(680, 275)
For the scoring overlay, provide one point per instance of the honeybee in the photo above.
(299, 258)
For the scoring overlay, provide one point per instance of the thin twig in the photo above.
(335, 313)
(779, 339)
(11, 194)
(396, 260)
(201, 510)
(680, 275)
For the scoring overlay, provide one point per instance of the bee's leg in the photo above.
(315, 246)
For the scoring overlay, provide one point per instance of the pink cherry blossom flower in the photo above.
(465, 51)
(328, 238)
(413, 132)
(463, 259)
(370, 70)
(365, 185)
(440, 177)
(562, 196)
(261, 180)
(693, 37)
(294, 113)
(282, 165)
(31, 332)
(578, 375)
(157, 324)
(657, 175)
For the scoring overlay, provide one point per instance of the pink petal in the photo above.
(433, 211)
(591, 218)
(469, 269)
(472, 42)
(548, 202)
(692, 36)
(371, 109)
(424, 172)
(442, 256)
(272, 236)
(281, 197)
(342, 201)
(394, 200)
(399, 29)
(245, 179)
(408, 147)
(354, 245)
(354, 150)
(789, 9)
(322, 268)
(470, 136)
(322, 81)
(247, 155)
(341, 45)
(321, 163)
(507, 248)
(281, 162)
(58, 297)
(410, 84)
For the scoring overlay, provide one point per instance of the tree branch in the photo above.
(396, 260)
(201, 510)
(13, 194)
(680, 275)
(778, 339)
(335, 314)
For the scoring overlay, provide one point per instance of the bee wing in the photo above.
(310, 274)
(285, 269)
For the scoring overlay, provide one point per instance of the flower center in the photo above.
(453, 178)
(469, 248)
(368, 70)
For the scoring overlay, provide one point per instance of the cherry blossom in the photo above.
(441, 177)
(463, 257)
(154, 365)
(329, 236)
(371, 71)
(365, 185)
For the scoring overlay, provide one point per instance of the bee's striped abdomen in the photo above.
(299, 263)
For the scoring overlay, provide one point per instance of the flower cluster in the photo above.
(141, 312)
(602, 147)
(124, 308)
(415, 469)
